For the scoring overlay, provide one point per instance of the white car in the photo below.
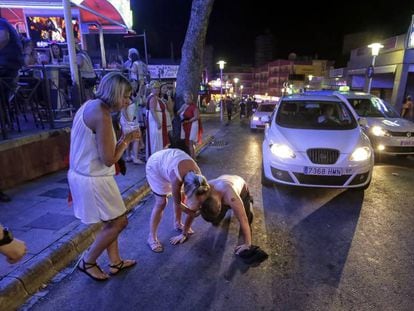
(314, 140)
(388, 132)
(262, 115)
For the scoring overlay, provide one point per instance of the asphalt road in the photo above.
(328, 249)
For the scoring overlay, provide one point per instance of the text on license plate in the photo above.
(407, 142)
(326, 171)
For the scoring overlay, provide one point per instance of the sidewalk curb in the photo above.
(34, 274)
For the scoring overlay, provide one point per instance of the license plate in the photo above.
(323, 171)
(407, 142)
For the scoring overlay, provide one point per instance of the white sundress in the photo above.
(95, 193)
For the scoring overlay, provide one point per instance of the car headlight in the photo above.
(361, 154)
(255, 118)
(282, 151)
(379, 131)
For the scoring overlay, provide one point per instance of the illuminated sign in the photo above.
(163, 71)
(124, 8)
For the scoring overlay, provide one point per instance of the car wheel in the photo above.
(265, 182)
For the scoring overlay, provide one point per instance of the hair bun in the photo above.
(195, 183)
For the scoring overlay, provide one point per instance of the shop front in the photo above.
(392, 76)
(55, 26)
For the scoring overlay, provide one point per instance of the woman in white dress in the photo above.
(158, 121)
(167, 171)
(93, 154)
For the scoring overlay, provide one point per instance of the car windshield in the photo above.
(373, 108)
(266, 108)
(314, 114)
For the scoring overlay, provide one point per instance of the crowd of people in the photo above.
(144, 113)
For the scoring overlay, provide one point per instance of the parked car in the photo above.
(314, 140)
(261, 116)
(388, 132)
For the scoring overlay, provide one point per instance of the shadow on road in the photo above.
(312, 231)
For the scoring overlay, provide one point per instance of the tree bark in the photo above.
(192, 52)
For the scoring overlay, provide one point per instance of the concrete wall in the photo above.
(33, 156)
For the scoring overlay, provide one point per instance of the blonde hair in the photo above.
(195, 184)
(112, 88)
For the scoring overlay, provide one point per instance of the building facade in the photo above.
(277, 77)
(393, 70)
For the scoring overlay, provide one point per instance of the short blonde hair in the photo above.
(112, 88)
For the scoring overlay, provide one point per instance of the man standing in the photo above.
(229, 108)
(11, 60)
(407, 111)
(11, 51)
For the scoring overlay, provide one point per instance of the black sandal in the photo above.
(120, 266)
(86, 266)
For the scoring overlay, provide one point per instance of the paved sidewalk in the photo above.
(39, 214)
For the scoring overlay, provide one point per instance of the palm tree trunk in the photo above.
(192, 52)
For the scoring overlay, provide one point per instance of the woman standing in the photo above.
(57, 54)
(158, 121)
(191, 128)
(93, 153)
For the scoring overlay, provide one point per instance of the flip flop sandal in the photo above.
(121, 266)
(156, 246)
(88, 265)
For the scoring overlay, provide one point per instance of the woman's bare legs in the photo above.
(156, 215)
(105, 238)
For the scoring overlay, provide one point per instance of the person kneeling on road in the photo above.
(227, 192)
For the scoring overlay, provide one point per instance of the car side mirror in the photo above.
(363, 122)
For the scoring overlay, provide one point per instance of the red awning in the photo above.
(14, 16)
(102, 7)
(91, 12)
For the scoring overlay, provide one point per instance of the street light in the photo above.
(375, 47)
(221, 64)
(241, 90)
(236, 80)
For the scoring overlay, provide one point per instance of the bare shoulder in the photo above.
(187, 165)
(94, 114)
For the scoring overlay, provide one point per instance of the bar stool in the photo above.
(27, 98)
(9, 111)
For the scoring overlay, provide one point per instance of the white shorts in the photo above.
(159, 185)
(95, 199)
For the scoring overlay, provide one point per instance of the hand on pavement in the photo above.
(14, 251)
(179, 239)
(240, 248)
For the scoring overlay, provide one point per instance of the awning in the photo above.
(114, 16)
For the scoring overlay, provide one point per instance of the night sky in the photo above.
(307, 28)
